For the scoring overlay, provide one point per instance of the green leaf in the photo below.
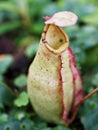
(27, 124)
(22, 5)
(3, 118)
(95, 80)
(91, 19)
(61, 128)
(37, 27)
(6, 95)
(22, 99)
(91, 120)
(23, 10)
(11, 125)
(7, 5)
(5, 63)
(1, 78)
(1, 106)
(6, 27)
(31, 50)
(20, 81)
(92, 58)
(89, 113)
(46, 129)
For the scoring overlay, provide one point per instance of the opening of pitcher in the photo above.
(56, 38)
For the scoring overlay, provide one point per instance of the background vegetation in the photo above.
(21, 24)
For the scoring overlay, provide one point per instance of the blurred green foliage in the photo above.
(21, 22)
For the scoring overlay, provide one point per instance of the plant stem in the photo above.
(78, 105)
(88, 96)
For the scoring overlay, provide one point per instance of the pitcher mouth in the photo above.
(55, 38)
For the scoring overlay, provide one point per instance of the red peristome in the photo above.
(77, 81)
(72, 56)
(65, 118)
(73, 66)
(78, 96)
